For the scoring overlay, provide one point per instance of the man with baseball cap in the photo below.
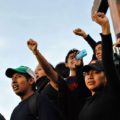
(22, 78)
(23, 84)
(21, 69)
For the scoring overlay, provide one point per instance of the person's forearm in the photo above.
(106, 29)
(90, 41)
(46, 66)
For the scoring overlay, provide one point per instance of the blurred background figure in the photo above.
(62, 70)
(1, 117)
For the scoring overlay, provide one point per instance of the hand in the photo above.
(102, 20)
(32, 45)
(79, 62)
(80, 32)
(117, 43)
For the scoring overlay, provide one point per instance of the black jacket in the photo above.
(105, 105)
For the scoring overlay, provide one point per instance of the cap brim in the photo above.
(87, 68)
(91, 67)
(10, 72)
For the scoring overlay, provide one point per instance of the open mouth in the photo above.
(15, 87)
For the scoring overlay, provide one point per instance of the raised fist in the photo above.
(80, 32)
(32, 45)
(100, 18)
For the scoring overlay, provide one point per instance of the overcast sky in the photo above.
(51, 23)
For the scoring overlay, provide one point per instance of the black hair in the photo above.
(99, 42)
(70, 52)
(62, 70)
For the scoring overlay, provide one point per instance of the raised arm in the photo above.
(86, 36)
(50, 72)
(109, 67)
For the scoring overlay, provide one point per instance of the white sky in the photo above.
(51, 23)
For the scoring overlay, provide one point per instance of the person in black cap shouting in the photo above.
(23, 84)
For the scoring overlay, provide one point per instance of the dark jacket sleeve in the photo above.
(109, 67)
(91, 42)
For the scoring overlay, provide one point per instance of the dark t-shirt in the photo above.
(73, 97)
(46, 110)
(51, 93)
(45, 88)
(22, 111)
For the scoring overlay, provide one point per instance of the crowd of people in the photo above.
(71, 90)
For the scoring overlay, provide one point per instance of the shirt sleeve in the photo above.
(91, 42)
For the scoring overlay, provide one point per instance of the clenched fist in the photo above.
(80, 32)
(32, 45)
(100, 18)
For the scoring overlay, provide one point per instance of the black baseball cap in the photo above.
(98, 66)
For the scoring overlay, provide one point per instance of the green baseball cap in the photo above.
(21, 69)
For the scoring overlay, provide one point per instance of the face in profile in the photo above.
(94, 79)
(39, 72)
(98, 52)
(20, 84)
